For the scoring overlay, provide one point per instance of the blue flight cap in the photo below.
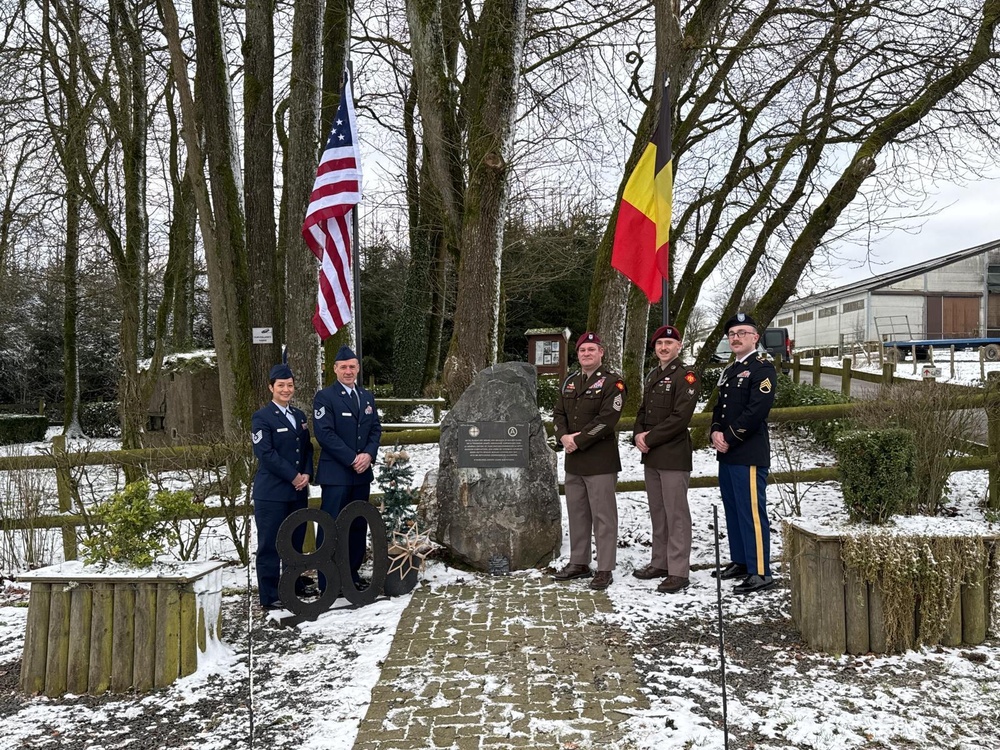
(345, 352)
(280, 372)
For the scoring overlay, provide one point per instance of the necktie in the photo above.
(291, 418)
(357, 401)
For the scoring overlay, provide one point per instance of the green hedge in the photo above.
(877, 472)
(823, 431)
(22, 428)
(99, 419)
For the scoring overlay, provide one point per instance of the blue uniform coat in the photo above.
(282, 452)
(343, 433)
(746, 393)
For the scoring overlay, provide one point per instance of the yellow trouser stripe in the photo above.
(757, 534)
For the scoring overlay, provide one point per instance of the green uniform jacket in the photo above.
(591, 406)
(669, 398)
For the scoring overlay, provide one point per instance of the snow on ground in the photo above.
(967, 369)
(310, 687)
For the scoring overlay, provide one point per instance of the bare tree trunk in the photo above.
(300, 173)
(493, 82)
(634, 359)
(258, 170)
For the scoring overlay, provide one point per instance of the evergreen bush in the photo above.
(877, 473)
(547, 392)
(99, 419)
(823, 431)
(22, 428)
(398, 500)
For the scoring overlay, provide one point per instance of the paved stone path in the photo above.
(503, 663)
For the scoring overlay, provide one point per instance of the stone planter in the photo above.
(838, 612)
(90, 631)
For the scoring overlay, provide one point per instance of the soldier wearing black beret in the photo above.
(739, 435)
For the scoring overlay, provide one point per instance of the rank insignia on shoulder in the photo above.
(691, 378)
(765, 385)
(617, 403)
(258, 436)
(320, 412)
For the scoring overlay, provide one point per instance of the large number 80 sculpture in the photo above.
(331, 559)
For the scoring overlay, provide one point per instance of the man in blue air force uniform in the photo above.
(348, 431)
(280, 435)
(739, 435)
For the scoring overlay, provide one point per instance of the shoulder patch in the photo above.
(690, 377)
(620, 385)
(617, 403)
(765, 385)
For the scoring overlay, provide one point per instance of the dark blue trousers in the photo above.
(335, 498)
(268, 515)
(744, 499)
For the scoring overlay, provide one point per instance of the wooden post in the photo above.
(168, 634)
(101, 620)
(36, 639)
(845, 377)
(952, 348)
(930, 355)
(876, 619)
(143, 660)
(793, 554)
(888, 373)
(974, 606)
(123, 638)
(913, 351)
(809, 555)
(57, 650)
(64, 492)
(993, 438)
(952, 635)
(856, 614)
(796, 368)
(78, 668)
(832, 636)
(437, 412)
(816, 372)
(189, 636)
(982, 364)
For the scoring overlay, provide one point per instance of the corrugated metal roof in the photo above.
(890, 278)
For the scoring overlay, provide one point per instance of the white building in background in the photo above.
(954, 296)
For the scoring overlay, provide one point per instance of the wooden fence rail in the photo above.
(204, 456)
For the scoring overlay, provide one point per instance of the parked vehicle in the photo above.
(775, 342)
(897, 351)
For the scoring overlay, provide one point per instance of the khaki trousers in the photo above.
(666, 491)
(591, 504)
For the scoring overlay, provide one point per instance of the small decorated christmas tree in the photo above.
(394, 479)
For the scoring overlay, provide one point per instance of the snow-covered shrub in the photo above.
(877, 473)
(99, 419)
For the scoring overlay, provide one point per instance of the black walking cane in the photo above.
(722, 639)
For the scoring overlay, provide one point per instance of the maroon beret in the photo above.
(588, 338)
(665, 332)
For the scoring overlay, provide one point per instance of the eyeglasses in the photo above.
(739, 334)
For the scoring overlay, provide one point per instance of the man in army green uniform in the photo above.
(590, 404)
(669, 396)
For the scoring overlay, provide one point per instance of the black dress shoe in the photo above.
(361, 584)
(733, 570)
(602, 579)
(572, 571)
(649, 572)
(754, 583)
(272, 606)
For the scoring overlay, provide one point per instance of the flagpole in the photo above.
(665, 102)
(355, 265)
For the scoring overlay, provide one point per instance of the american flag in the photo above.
(328, 225)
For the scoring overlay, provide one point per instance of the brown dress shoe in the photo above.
(602, 579)
(571, 571)
(673, 584)
(648, 572)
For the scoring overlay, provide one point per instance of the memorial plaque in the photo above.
(493, 445)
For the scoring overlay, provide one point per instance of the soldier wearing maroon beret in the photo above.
(669, 396)
(589, 406)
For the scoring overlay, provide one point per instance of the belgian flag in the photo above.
(642, 234)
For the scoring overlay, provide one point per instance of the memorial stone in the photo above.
(498, 516)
